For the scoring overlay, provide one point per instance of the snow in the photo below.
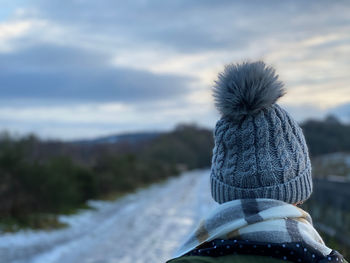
(143, 227)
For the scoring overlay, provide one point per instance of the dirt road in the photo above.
(143, 227)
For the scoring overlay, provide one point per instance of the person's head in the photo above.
(260, 150)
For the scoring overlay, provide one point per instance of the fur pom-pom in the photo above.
(246, 88)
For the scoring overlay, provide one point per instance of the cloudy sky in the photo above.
(83, 68)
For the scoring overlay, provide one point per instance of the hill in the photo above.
(132, 138)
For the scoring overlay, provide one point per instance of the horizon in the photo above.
(136, 132)
(87, 70)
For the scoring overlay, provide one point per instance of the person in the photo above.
(260, 173)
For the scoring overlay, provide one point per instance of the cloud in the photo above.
(192, 26)
(74, 121)
(127, 65)
(59, 73)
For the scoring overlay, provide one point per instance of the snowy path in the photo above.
(143, 227)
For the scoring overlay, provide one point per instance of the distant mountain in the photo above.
(132, 138)
(342, 112)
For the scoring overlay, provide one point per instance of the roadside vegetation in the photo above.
(40, 180)
(326, 136)
(329, 146)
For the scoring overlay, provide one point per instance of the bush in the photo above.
(38, 178)
(326, 136)
(29, 187)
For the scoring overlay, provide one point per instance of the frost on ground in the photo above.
(143, 227)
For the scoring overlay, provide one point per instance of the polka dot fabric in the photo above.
(294, 251)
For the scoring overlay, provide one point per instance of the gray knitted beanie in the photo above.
(260, 151)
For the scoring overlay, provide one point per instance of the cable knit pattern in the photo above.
(220, 151)
(231, 145)
(260, 157)
(303, 160)
(248, 170)
(284, 155)
(215, 150)
(278, 143)
(287, 129)
(265, 169)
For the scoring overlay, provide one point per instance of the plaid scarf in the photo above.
(261, 220)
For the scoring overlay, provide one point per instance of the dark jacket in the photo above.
(244, 251)
(227, 259)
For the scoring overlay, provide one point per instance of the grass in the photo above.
(47, 221)
(38, 221)
(112, 196)
(33, 221)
